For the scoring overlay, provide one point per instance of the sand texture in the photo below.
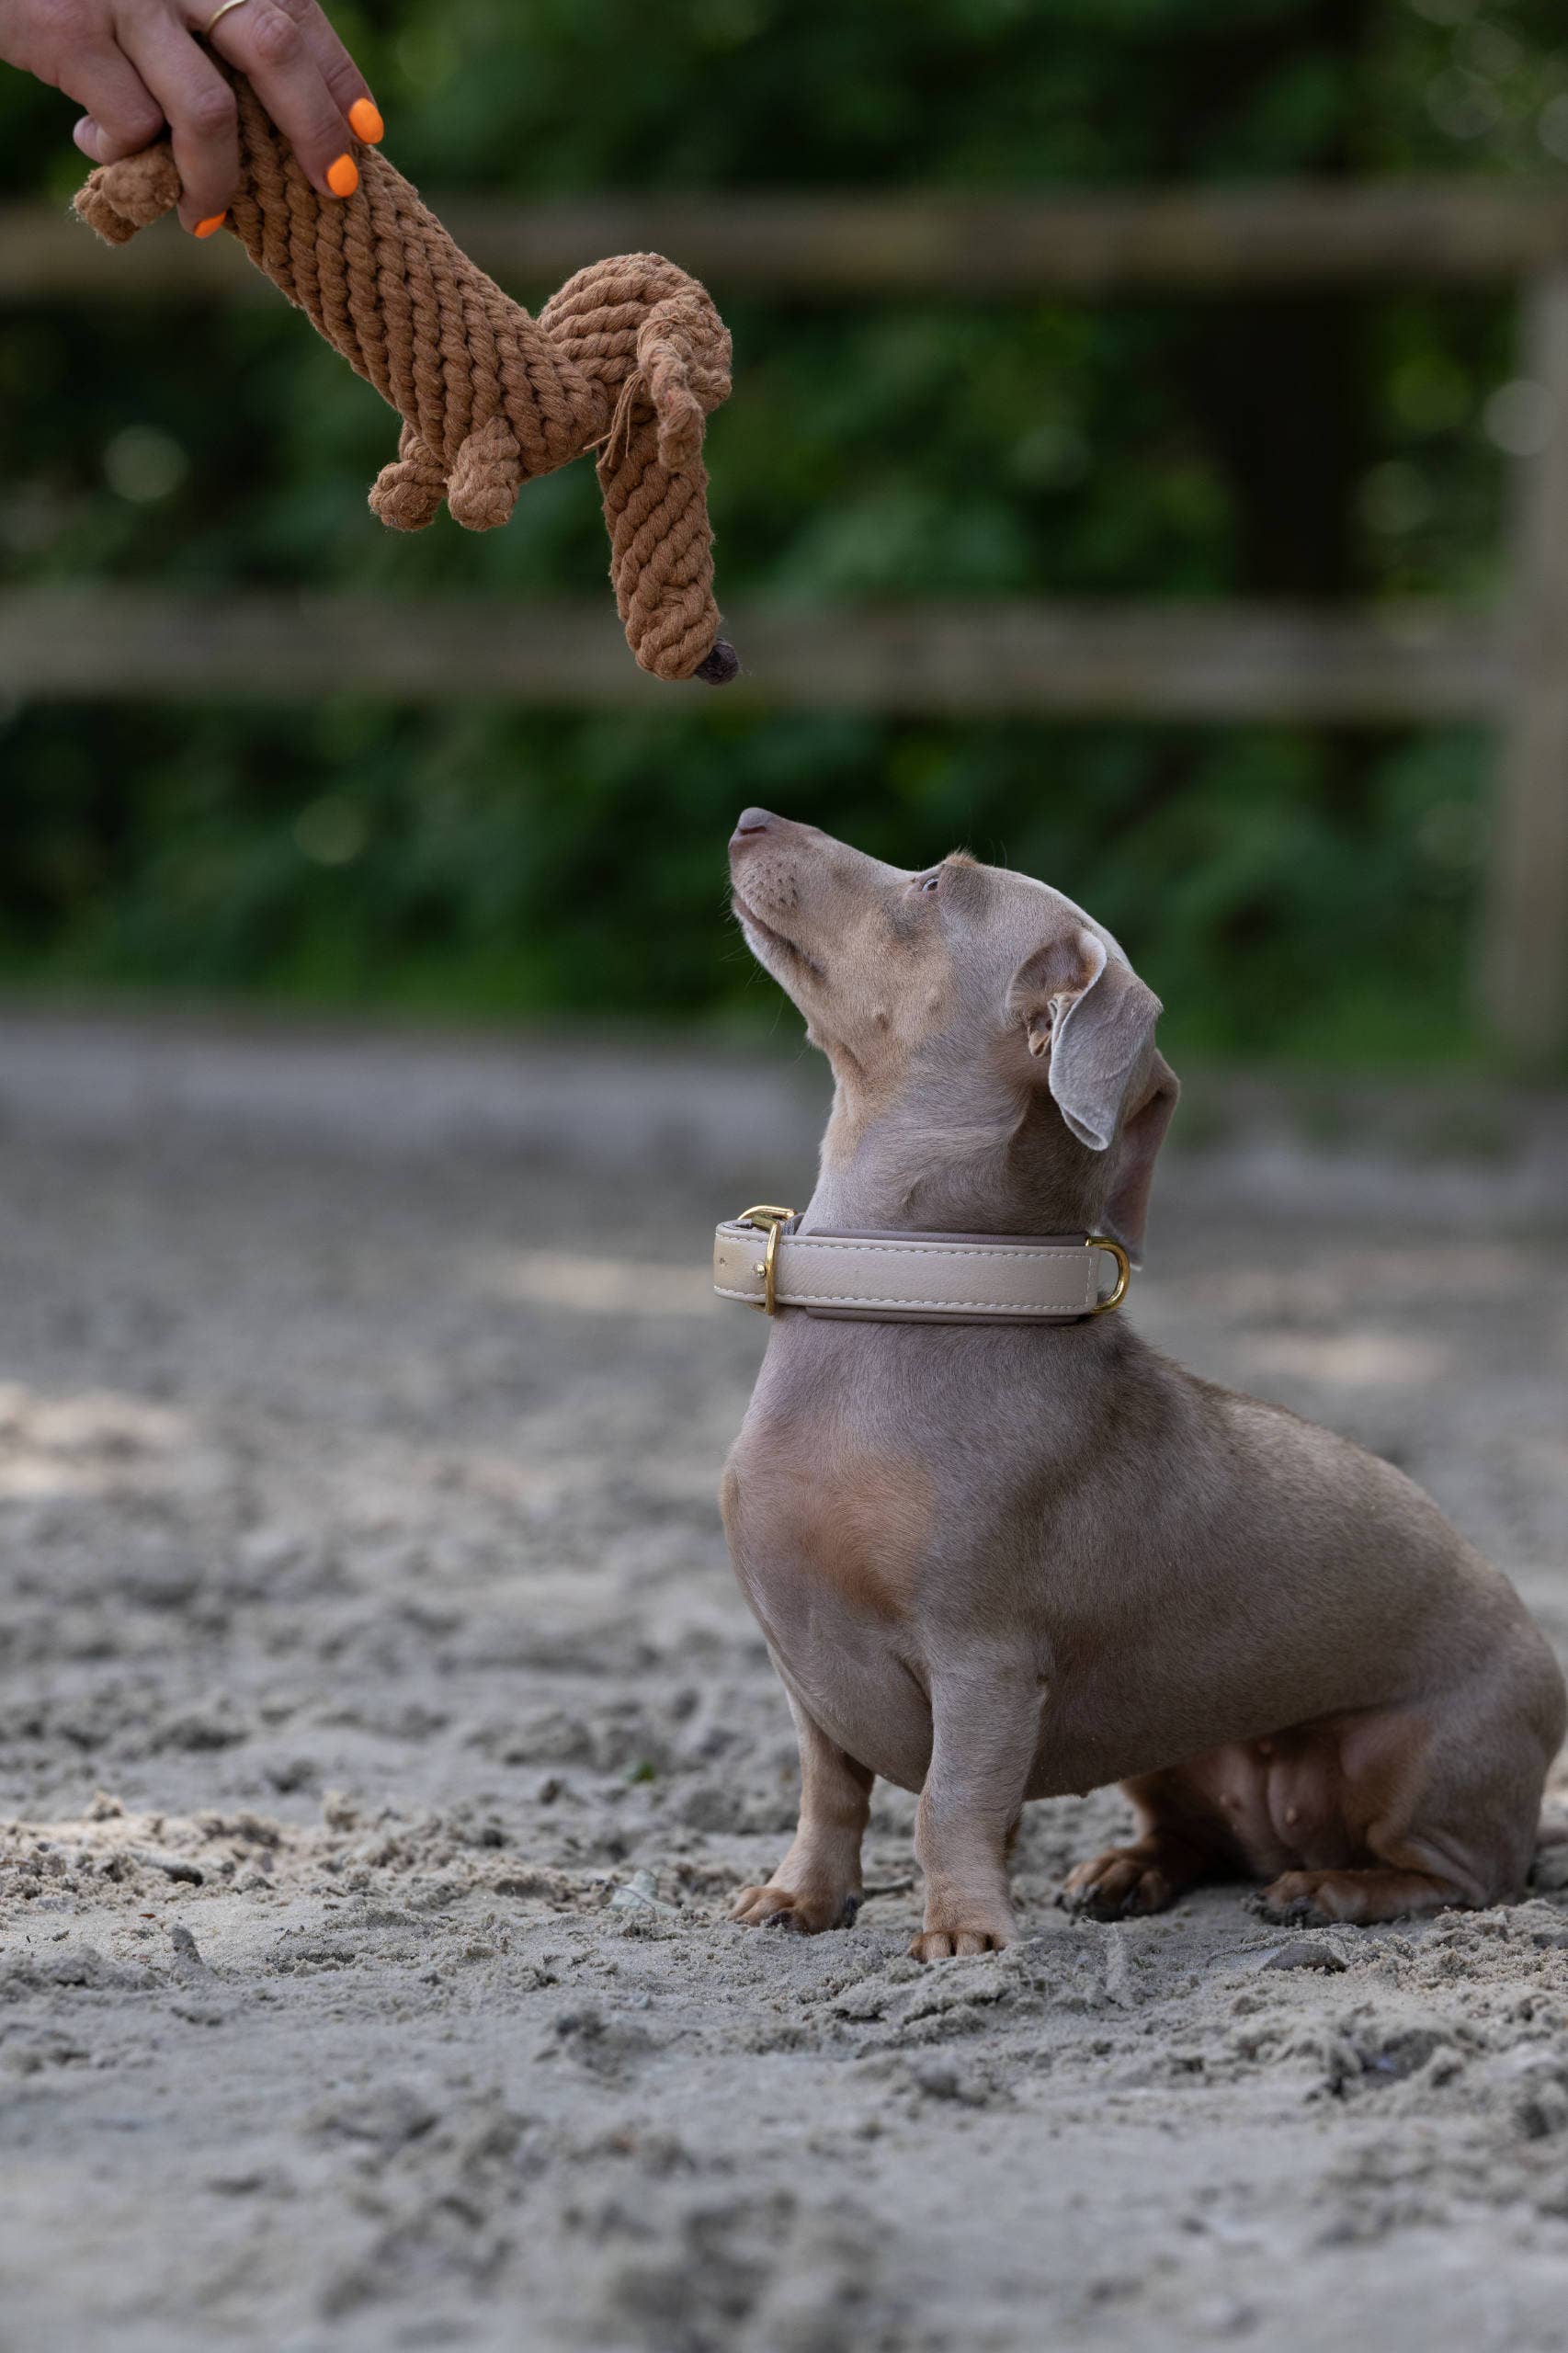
(381, 1734)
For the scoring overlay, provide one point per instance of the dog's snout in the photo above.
(753, 823)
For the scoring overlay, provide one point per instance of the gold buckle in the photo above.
(1124, 1272)
(769, 1219)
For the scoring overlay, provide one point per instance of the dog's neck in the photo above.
(975, 1157)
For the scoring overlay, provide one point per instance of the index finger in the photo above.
(198, 106)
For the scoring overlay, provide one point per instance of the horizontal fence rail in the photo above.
(1194, 662)
(840, 247)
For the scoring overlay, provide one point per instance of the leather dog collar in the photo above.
(760, 1260)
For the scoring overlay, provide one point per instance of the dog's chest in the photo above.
(847, 1523)
(830, 1536)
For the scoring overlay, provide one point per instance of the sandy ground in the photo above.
(370, 1658)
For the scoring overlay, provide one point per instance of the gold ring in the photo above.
(1124, 1272)
(221, 12)
(769, 1219)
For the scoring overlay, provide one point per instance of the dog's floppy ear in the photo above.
(1091, 1015)
(1136, 1148)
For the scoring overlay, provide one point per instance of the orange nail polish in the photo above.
(365, 121)
(343, 178)
(210, 227)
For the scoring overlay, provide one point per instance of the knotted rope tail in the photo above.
(629, 360)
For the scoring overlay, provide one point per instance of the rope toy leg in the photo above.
(487, 474)
(407, 495)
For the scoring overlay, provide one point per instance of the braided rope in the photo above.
(628, 360)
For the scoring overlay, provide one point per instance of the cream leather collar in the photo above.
(913, 1278)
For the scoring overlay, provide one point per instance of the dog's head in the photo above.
(964, 1007)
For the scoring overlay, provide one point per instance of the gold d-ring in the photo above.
(221, 12)
(770, 1220)
(1124, 1272)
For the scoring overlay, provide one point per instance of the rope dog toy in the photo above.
(626, 360)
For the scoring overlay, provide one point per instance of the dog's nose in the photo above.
(752, 821)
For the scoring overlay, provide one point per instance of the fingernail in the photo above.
(208, 227)
(365, 121)
(343, 178)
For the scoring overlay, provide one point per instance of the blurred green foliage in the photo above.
(1286, 893)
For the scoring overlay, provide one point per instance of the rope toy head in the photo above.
(628, 360)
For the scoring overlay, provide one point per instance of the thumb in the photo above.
(101, 145)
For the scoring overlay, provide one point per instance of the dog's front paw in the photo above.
(1117, 1884)
(806, 1912)
(961, 1936)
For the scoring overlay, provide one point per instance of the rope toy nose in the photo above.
(628, 360)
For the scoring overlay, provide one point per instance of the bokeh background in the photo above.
(1297, 895)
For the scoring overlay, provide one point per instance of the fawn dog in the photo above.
(996, 1562)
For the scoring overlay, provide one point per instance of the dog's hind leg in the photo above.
(1182, 1842)
(1311, 1898)
(1440, 1802)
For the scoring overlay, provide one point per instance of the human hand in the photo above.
(137, 65)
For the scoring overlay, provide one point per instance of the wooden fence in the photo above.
(1148, 661)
